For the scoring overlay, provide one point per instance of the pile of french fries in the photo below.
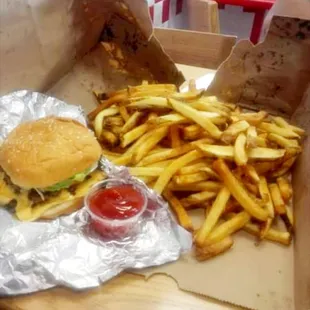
(199, 152)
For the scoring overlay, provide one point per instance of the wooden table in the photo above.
(127, 291)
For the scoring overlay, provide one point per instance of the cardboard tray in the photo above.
(52, 46)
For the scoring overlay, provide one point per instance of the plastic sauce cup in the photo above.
(121, 221)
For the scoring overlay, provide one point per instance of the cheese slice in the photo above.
(25, 212)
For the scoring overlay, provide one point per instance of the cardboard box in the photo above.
(52, 46)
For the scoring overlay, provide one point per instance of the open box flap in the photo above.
(49, 37)
(272, 75)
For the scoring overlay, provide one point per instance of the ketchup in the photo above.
(116, 203)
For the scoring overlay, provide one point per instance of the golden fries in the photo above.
(190, 178)
(284, 124)
(227, 228)
(199, 152)
(175, 136)
(197, 117)
(179, 211)
(213, 216)
(210, 186)
(278, 202)
(149, 143)
(272, 234)
(231, 133)
(238, 191)
(273, 128)
(227, 152)
(240, 155)
(148, 103)
(197, 198)
(285, 188)
(165, 177)
(205, 252)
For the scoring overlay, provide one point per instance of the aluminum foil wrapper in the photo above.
(39, 255)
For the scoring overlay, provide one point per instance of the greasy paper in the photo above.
(51, 45)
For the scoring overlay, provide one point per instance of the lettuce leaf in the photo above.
(77, 178)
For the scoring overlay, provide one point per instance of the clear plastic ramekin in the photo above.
(114, 228)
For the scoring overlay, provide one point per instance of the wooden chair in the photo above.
(203, 15)
(194, 48)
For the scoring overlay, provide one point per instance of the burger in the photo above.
(47, 167)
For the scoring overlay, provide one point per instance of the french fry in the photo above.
(272, 234)
(148, 103)
(263, 168)
(284, 124)
(165, 177)
(285, 188)
(166, 154)
(240, 155)
(108, 137)
(122, 160)
(196, 116)
(195, 167)
(253, 140)
(290, 216)
(147, 179)
(210, 172)
(132, 121)
(175, 136)
(214, 214)
(186, 179)
(161, 164)
(285, 167)
(251, 173)
(227, 152)
(192, 85)
(231, 133)
(284, 142)
(98, 122)
(252, 188)
(192, 132)
(210, 186)
(201, 105)
(124, 114)
(265, 194)
(279, 204)
(146, 171)
(273, 128)
(173, 118)
(206, 252)
(232, 206)
(106, 104)
(253, 119)
(150, 142)
(238, 191)
(228, 227)
(251, 137)
(182, 216)
(133, 135)
(197, 198)
(264, 228)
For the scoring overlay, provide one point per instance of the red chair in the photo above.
(258, 7)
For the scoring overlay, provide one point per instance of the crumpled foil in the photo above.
(66, 251)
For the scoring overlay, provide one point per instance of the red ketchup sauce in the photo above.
(120, 203)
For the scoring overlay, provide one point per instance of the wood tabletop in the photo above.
(126, 291)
